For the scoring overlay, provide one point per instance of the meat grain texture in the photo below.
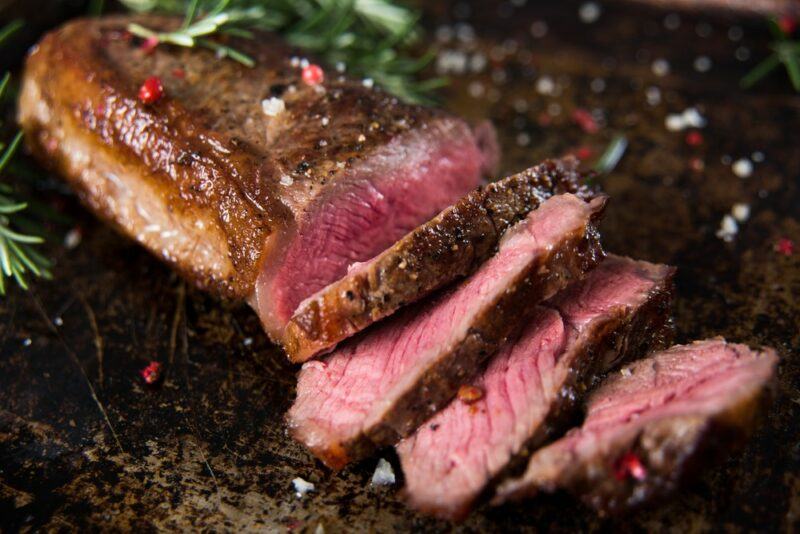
(266, 208)
(381, 385)
(620, 310)
(451, 245)
(652, 424)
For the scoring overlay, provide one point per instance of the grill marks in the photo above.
(381, 385)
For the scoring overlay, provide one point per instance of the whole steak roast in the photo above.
(267, 203)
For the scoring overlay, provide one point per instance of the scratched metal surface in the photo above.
(84, 444)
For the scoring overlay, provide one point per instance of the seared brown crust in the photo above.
(451, 245)
(624, 335)
(673, 449)
(205, 155)
(574, 256)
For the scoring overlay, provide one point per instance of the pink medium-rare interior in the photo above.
(365, 213)
(449, 460)
(617, 281)
(340, 396)
(700, 378)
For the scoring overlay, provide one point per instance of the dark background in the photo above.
(85, 444)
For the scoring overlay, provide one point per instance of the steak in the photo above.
(451, 245)
(382, 384)
(648, 426)
(620, 310)
(268, 206)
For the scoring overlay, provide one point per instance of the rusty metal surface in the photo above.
(85, 444)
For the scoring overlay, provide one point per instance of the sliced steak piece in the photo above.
(450, 246)
(381, 385)
(620, 309)
(647, 427)
(267, 205)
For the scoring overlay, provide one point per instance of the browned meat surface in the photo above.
(620, 310)
(650, 425)
(379, 386)
(451, 245)
(259, 206)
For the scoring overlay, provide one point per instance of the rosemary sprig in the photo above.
(785, 52)
(371, 38)
(215, 21)
(17, 255)
(611, 156)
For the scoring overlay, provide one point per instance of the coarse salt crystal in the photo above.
(741, 211)
(72, 239)
(545, 85)
(660, 67)
(727, 229)
(295, 61)
(476, 89)
(286, 180)
(325, 121)
(742, 167)
(368, 83)
(674, 122)
(301, 487)
(702, 64)
(589, 12)
(693, 118)
(384, 474)
(304, 63)
(598, 85)
(272, 107)
(653, 95)
(362, 138)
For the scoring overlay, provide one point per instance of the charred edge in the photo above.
(513, 309)
(628, 333)
(685, 456)
(457, 244)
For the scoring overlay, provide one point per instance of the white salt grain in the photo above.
(545, 85)
(653, 95)
(741, 211)
(727, 229)
(384, 474)
(660, 67)
(72, 239)
(702, 64)
(742, 167)
(301, 487)
(589, 12)
(286, 180)
(272, 107)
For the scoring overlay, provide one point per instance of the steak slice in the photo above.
(619, 310)
(382, 384)
(268, 208)
(647, 427)
(451, 245)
